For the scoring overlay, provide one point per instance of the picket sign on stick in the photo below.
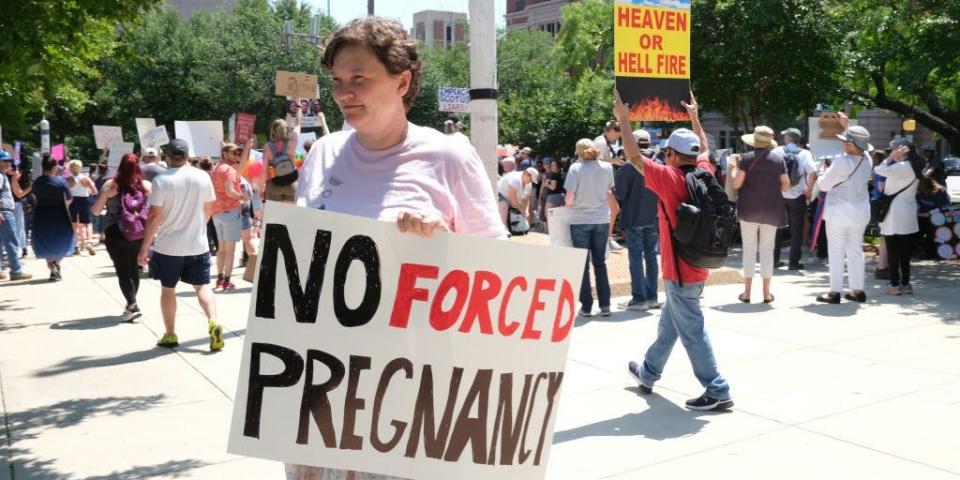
(372, 350)
(302, 85)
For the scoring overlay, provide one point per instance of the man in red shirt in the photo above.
(681, 316)
(227, 211)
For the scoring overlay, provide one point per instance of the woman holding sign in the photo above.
(388, 168)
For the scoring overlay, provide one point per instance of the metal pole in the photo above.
(369, 8)
(483, 84)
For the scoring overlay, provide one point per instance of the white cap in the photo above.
(534, 174)
(149, 152)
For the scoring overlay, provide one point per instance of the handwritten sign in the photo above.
(155, 137)
(372, 350)
(302, 85)
(454, 99)
(652, 57)
(104, 136)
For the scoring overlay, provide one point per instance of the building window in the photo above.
(521, 5)
(449, 35)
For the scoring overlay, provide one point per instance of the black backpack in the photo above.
(793, 167)
(706, 222)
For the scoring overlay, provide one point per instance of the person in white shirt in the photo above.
(513, 190)
(610, 148)
(800, 162)
(847, 212)
(900, 225)
(181, 203)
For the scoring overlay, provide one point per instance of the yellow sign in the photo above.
(652, 42)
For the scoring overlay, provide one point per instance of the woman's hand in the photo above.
(844, 120)
(422, 224)
(142, 257)
(899, 153)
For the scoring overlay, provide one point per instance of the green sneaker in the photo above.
(168, 340)
(216, 336)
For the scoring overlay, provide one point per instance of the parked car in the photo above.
(951, 166)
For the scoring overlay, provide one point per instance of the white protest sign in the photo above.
(559, 221)
(156, 137)
(204, 137)
(144, 125)
(303, 139)
(454, 99)
(104, 136)
(826, 146)
(117, 151)
(372, 350)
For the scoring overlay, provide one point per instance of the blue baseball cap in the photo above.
(5, 157)
(684, 142)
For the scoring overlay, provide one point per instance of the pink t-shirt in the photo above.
(429, 172)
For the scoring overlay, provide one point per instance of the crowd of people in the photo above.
(171, 215)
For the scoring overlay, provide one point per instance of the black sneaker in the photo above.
(634, 369)
(705, 403)
(797, 266)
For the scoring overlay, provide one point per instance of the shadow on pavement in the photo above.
(844, 309)
(94, 323)
(81, 363)
(660, 421)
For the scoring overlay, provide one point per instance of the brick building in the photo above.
(535, 14)
(437, 27)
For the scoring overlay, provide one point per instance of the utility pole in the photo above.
(483, 84)
(369, 8)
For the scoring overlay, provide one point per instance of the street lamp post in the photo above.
(483, 84)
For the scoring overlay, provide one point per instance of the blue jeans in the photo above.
(642, 246)
(594, 239)
(8, 241)
(681, 317)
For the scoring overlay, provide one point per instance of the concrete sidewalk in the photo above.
(822, 391)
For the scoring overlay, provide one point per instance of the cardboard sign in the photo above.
(298, 85)
(824, 144)
(204, 137)
(652, 57)
(243, 126)
(454, 99)
(58, 152)
(156, 137)
(372, 350)
(104, 136)
(117, 151)
(144, 125)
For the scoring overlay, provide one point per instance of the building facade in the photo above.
(438, 27)
(535, 15)
(188, 7)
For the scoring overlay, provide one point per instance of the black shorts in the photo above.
(193, 270)
(80, 210)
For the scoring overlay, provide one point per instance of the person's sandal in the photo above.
(743, 299)
(769, 300)
(856, 297)
(830, 297)
(907, 289)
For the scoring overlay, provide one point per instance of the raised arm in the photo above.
(693, 111)
(631, 148)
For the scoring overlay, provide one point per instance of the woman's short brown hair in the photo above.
(388, 40)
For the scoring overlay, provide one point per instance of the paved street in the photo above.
(821, 391)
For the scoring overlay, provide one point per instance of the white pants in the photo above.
(845, 242)
(766, 236)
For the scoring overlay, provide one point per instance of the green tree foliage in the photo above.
(215, 65)
(585, 42)
(443, 67)
(49, 49)
(759, 62)
(903, 56)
